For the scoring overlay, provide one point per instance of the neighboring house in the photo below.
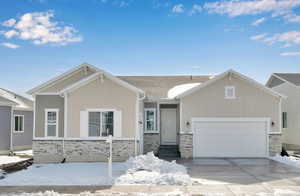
(16, 122)
(228, 115)
(288, 84)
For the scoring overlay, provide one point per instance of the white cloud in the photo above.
(258, 37)
(250, 7)
(195, 9)
(179, 8)
(38, 27)
(292, 18)
(9, 23)
(287, 39)
(11, 33)
(258, 21)
(9, 45)
(290, 54)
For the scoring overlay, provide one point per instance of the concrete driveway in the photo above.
(243, 175)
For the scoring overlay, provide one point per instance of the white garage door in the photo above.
(230, 137)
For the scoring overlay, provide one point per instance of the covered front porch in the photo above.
(161, 127)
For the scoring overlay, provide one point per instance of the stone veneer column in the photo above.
(186, 145)
(275, 143)
(151, 142)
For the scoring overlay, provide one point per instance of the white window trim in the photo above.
(226, 94)
(100, 110)
(155, 122)
(46, 121)
(18, 115)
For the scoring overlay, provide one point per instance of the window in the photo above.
(284, 120)
(19, 123)
(51, 119)
(101, 124)
(229, 92)
(150, 119)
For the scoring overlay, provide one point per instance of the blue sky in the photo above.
(40, 39)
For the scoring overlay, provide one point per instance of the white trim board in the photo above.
(249, 80)
(58, 78)
(100, 75)
(82, 139)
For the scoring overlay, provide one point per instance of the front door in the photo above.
(168, 118)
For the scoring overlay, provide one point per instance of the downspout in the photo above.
(140, 130)
(11, 131)
(65, 127)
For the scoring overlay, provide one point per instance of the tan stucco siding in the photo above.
(68, 81)
(291, 105)
(102, 95)
(48, 102)
(210, 102)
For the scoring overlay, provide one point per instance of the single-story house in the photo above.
(288, 84)
(228, 115)
(16, 122)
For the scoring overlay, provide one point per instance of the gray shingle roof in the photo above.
(293, 78)
(158, 86)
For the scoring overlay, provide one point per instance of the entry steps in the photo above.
(168, 151)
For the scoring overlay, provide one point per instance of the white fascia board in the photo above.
(249, 80)
(94, 76)
(56, 79)
(80, 83)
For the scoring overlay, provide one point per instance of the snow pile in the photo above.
(292, 161)
(5, 159)
(179, 89)
(150, 170)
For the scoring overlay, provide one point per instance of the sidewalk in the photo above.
(210, 190)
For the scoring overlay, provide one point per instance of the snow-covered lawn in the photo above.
(292, 161)
(4, 159)
(141, 170)
(64, 174)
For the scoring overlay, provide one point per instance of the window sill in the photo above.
(151, 132)
(18, 131)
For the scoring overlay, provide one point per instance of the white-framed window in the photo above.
(230, 92)
(284, 120)
(150, 119)
(18, 123)
(51, 122)
(100, 123)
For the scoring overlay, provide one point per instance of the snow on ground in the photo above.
(24, 152)
(5, 159)
(64, 174)
(292, 161)
(150, 170)
(141, 170)
(101, 193)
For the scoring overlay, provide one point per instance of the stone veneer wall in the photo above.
(81, 150)
(151, 142)
(291, 147)
(275, 144)
(186, 145)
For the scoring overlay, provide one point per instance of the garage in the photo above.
(230, 137)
